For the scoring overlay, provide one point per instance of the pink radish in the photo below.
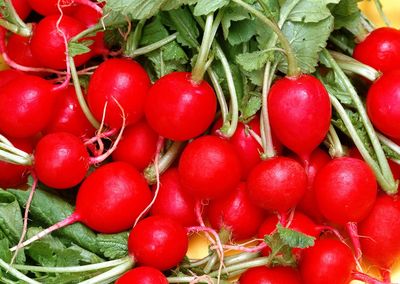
(300, 113)
(209, 168)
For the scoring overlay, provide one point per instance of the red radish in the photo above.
(8, 75)
(123, 80)
(47, 43)
(277, 184)
(380, 242)
(15, 175)
(270, 275)
(138, 145)
(27, 103)
(22, 8)
(158, 242)
(383, 103)
(308, 203)
(380, 49)
(236, 213)
(247, 148)
(209, 167)
(49, 7)
(346, 190)
(69, 117)
(109, 201)
(61, 160)
(329, 261)
(300, 222)
(300, 113)
(178, 108)
(173, 201)
(142, 275)
(19, 50)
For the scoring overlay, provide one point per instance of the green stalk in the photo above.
(134, 38)
(154, 46)
(382, 14)
(13, 22)
(293, 68)
(79, 95)
(220, 96)
(72, 269)
(87, 32)
(266, 260)
(116, 271)
(389, 143)
(191, 279)
(198, 69)
(15, 28)
(11, 270)
(14, 159)
(389, 185)
(335, 146)
(360, 145)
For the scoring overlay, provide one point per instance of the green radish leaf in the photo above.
(182, 21)
(10, 217)
(293, 238)
(5, 253)
(311, 11)
(233, 13)
(135, 9)
(174, 4)
(256, 60)
(251, 106)
(307, 40)
(205, 7)
(347, 15)
(78, 48)
(114, 246)
(241, 31)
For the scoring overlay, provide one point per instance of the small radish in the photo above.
(158, 242)
(50, 7)
(109, 201)
(142, 275)
(48, 45)
(15, 175)
(300, 113)
(383, 103)
(8, 75)
(209, 167)
(380, 243)
(138, 145)
(69, 117)
(236, 213)
(270, 275)
(27, 103)
(247, 148)
(300, 222)
(19, 50)
(121, 80)
(61, 160)
(329, 261)
(318, 159)
(22, 8)
(380, 49)
(173, 201)
(180, 109)
(346, 190)
(277, 184)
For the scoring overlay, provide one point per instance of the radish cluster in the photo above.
(150, 154)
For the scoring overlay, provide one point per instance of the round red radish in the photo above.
(158, 242)
(137, 146)
(22, 8)
(346, 190)
(61, 160)
(209, 167)
(112, 197)
(329, 261)
(19, 50)
(380, 242)
(178, 108)
(380, 49)
(300, 222)
(142, 275)
(8, 75)
(300, 113)
(12, 175)
(270, 275)
(69, 117)
(50, 7)
(47, 43)
(277, 184)
(27, 104)
(383, 103)
(173, 201)
(121, 80)
(308, 203)
(236, 213)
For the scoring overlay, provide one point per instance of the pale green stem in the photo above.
(240, 266)
(11, 270)
(116, 271)
(382, 14)
(13, 150)
(14, 159)
(389, 143)
(335, 147)
(220, 95)
(154, 46)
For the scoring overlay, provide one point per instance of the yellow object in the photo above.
(3, 65)
(391, 8)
